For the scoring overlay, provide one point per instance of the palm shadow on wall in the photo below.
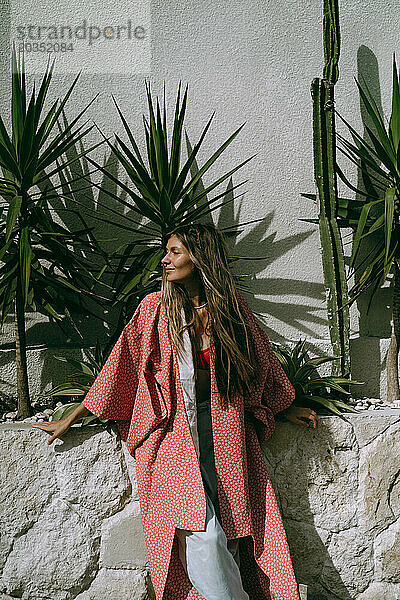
(375, 323)
(113, 226)
(300, 315)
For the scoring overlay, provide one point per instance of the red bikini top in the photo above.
(203, 359)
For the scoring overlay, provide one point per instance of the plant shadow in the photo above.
(247, 269)
(374, 311)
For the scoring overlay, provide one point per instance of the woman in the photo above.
(194, 385)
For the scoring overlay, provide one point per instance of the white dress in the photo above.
(209, 559)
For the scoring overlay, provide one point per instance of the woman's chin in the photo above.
(178, 277)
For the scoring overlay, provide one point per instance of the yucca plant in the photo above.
(38, 269)
(164, 195)
(312, 389)
(375, 213)
(79, 382)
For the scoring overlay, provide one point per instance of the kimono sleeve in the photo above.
(277, 392)
(113, 392)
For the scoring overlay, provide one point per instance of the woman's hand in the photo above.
(301, 415)
(57, 428)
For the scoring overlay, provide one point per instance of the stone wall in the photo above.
(71, 529)
(339, 491)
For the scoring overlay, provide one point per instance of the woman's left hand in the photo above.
(301, 415)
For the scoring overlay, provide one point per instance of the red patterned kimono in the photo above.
(139, 388)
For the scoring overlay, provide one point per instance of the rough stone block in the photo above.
(306, 541)
(112, 584)
(53, 558)
(381, 591)
(122, 541)
(27, 480)
(378, 475)
(349, 566)
(387, 554)
(369, 425)
(323, 463)
(90, 470)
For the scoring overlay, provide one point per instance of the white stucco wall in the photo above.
(250, 63)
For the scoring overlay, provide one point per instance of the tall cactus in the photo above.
(324, 144)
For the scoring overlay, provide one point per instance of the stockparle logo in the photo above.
(104, 44)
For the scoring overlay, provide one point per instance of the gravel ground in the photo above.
(372, 404)
(42, 411)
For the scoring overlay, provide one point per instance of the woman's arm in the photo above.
(58, 428)
(279, 393)
(112, 394)
(80, 412)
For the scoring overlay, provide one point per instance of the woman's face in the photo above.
(177, 263)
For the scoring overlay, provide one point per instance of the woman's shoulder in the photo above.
(145, 312)
(154, 298)
(150, 303)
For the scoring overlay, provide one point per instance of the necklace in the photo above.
(201, 305)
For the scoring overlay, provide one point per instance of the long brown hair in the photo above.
(235, 362)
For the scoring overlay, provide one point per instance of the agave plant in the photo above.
(376, 211)
(38, 269)
(165, 193)
(79, 382)
(311, 387)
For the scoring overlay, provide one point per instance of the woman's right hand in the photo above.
(57, 428)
